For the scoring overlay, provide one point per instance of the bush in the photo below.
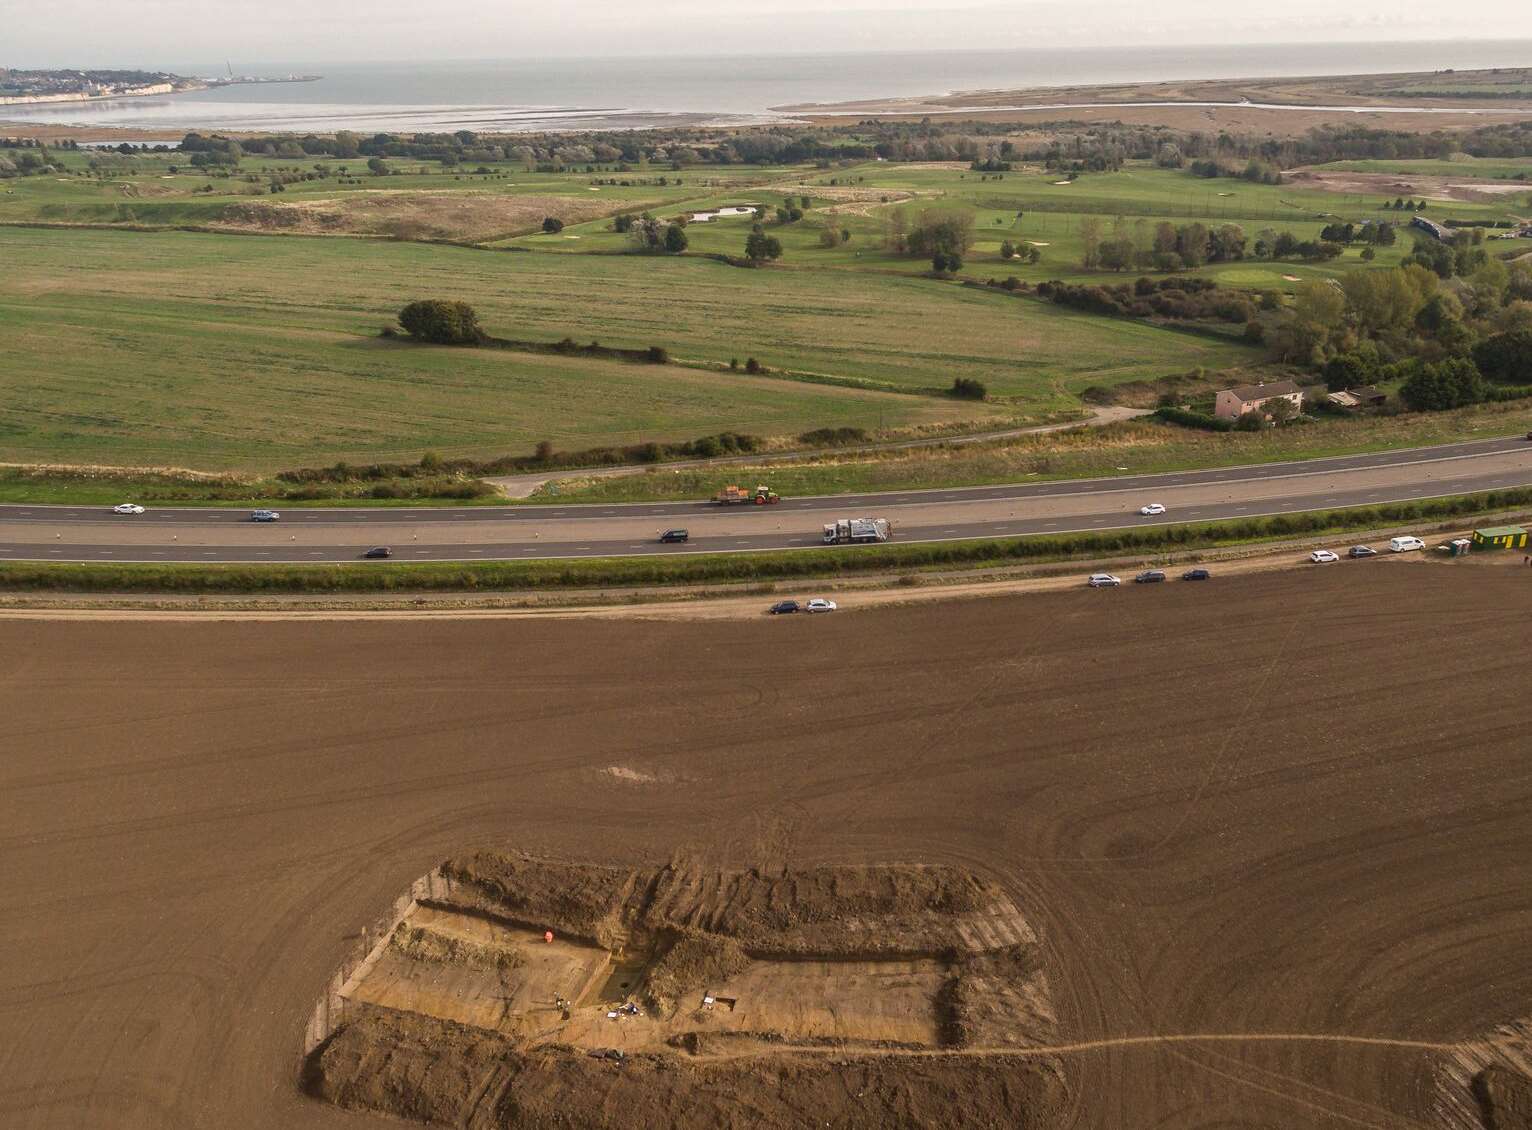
(752, 365)
(965, 388)
(442, 322)
(832, 437)
(657, 355)
(1189, 419)
(553, 225)
(760, 247)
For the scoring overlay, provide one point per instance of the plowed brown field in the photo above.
(1272, 832)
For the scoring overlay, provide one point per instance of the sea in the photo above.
(526, 95)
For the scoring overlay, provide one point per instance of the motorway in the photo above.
(75, 533)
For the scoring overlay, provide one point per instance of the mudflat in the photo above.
(1270, 832)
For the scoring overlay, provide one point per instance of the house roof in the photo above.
(1248, 393)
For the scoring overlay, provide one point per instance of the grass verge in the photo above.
(1133, 447)
(739, 567)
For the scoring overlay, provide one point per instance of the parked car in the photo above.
(1149, 577)
(127, 508)
(1405, 544)
(1196, 575)
(1103, 581)
(1323, 557)
(783, 607)
(264, 516)
(1361, 551)
(1151, 509)
(379, 551)
(820, 604)
(675, 535)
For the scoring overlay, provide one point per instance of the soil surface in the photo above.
(1271, 833)
(506, 974)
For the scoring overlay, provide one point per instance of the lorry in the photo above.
(856, 531)
(736, 496)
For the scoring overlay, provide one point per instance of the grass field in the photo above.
(215, 350)
(221, 350)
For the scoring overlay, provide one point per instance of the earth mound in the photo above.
(508, 990)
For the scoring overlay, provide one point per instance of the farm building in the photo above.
(1353, 399)
(1433, 228)
(1232, 403)
(1500, 537)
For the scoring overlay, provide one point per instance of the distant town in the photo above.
(30, 87)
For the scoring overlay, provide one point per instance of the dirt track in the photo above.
(1288, 807)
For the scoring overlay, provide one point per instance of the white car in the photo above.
(1103, 581)
(819, 604)
(1323, 557)
(1152, 509)
(128, 508)
(1405, 544)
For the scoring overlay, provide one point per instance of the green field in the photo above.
(245, 351)
(261, 351)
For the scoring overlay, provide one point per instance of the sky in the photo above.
(159, 33)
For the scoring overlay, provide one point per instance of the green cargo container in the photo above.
(1500, 537)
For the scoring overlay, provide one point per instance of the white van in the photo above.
(1405, 544)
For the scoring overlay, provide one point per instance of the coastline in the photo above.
(1407, 100)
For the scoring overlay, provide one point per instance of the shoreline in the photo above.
(1408, 99)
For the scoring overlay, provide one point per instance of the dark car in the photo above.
(1196, 575)
(782, 607)
(675, 535)
(1362, 551)
(379, 551)
(1149, 577)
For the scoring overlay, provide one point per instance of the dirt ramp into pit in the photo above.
(1486, 1083)
(509, 990)
(430, 1070)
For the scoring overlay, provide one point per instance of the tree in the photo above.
(1115, 254)
(949, 232)
(675, 239)
(1280, 410)
(1349, 370)
(441, 322)
(1090, 243)
(553, 225)
(1007, 250)
(1441, 385)
(1506, 358)
(377, 166)
(760, 247)
(966, 388)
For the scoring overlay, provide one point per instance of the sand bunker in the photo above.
(504, 984)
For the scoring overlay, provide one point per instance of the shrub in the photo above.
(966, 388)
(657, 355)
(752, 365)
(1189, 419)
(442, 322)
(553, 225)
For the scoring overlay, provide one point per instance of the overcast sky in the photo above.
(152, 33)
